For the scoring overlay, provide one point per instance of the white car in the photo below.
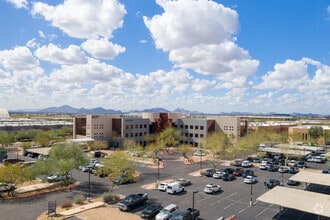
(250, 179)
(246, 164)
(212, 188)
(166, 212)
(217, 175)
(292, 163)
(199, 153)
(283, 169)
(162, 187)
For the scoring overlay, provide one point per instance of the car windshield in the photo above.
(128, 199)
(164, 211)
(150, 209)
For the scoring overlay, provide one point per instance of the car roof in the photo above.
(170, 206)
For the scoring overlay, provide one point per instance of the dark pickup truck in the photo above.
(132, 201)
(185, 214)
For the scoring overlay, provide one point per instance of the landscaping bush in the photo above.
(110, 197)
(79, 199)
(66, 204)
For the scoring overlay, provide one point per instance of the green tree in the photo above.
(14, 173)
(219, 147)
(6, 139)
(169, 137)
(62, 159)
(315, 132)
(185, 149)
(116, 165)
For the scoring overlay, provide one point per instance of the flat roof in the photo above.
(41, 150)
(306, 201)
(300, 147)
(284, 151)
(312, 176)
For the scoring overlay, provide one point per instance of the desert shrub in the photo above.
(66, 204)
(110, 197)
(79, 199)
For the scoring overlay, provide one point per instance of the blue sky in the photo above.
(208, 56)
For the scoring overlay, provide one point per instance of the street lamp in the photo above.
(193, 202)
(200, 162)
(89, 183)
(251, 196)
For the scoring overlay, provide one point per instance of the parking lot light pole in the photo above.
(251, 196)
(89, 184)
(193, 202)
(200, 162)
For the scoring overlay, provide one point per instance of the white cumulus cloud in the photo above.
(54, 54)
(19, 3)
(83, 19)
(102, 48)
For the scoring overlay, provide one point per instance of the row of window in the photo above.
(197, 127)
(136, 126)
(96, 126)
(196, 135)
(228, 128)
(135, 134)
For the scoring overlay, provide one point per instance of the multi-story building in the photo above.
(116, 129)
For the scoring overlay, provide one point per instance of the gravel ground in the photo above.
(107, 213)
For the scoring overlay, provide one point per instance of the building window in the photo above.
(196, 135)
(127, 126)
(186, 126)
(140, 125)
(132, 126)
(202, 127)
(181, 126)
(201, 135)
(191, 127)
(136, 126)
(127, 135)
(196, 127)
(145, 126)
(191, 135)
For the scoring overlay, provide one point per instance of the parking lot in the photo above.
(234, 198)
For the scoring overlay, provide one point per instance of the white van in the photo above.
(173, 188)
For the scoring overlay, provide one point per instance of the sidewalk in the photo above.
(82, 208)
(34, 187)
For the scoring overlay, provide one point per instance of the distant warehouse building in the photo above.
(13, 125)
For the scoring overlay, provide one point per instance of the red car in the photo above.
(238, 172)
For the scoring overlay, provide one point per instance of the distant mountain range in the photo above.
(66, 109)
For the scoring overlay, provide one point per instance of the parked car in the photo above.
(212, 188)
(272, 168)
(218, 174)
(174, 188)
(293, 182)
(283, 169)
(238, 172)
(131, 201)
(6, 187)
(236, 163)
(123, 179)
(246, 164)
(263, 166)
(325, 171)
(209, 172)
(302, 164)
(228, 170)
(293, 170)
(250, 180)
(166, 212)
(248, 172)
(183, 181)
(56, 177)
(162, 187)
(151, 211)
(256, 160)
(319, 159)
(185, 214)
(272, 183)
(199, 153)
(292, 163)
(227, 177)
